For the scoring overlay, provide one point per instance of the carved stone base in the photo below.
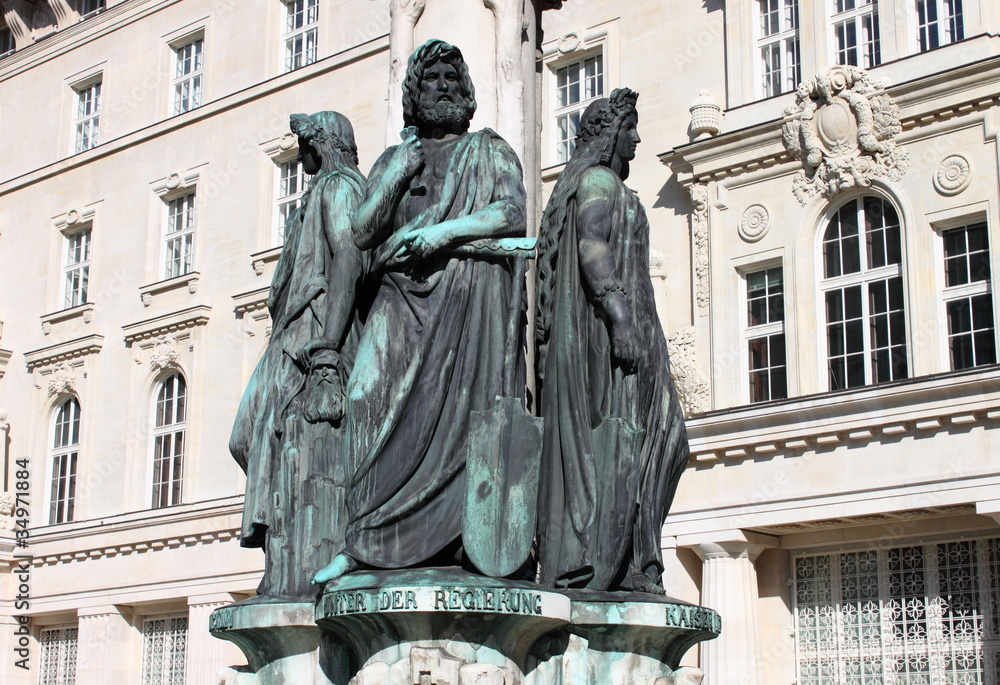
(444, 627)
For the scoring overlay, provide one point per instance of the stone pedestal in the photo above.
(443, 627)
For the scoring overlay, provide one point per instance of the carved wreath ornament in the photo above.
(842, 128)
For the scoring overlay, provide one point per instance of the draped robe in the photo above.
(601, 511)
(430, 354)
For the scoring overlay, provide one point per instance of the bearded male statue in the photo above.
(432, 351)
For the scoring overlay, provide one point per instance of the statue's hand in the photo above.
(304, 356)
(408, 157)
(624, 345)
(424, 242)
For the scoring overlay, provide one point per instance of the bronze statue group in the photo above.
(395, 306)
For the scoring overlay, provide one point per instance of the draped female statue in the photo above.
(287, 431)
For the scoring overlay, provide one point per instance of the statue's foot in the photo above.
(341, 565)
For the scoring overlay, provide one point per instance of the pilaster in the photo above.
(108, 646)
(205, 654)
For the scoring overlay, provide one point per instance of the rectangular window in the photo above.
(577, 85)
(189, 61)
(910, 614)
(765, 334)
(164, 650)
(6, 40)
(179, 246)
(856, 33)
(76, 271)
(301, 27)
(88, 116)
(778, 46)
(291, 185)
(57, 661)
(939, 22)
(968, 296)
(89, 8)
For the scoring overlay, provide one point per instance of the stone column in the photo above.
(109, 650)
(205, 654)
(729, 585)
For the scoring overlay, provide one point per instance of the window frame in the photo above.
(99, 6)
(5, 30)
(308, 29)
(169, 637)
(883, 589)
(194, 79)
(558, 112)
(863, 278)
(780, 39)
(187, 234)
(966, 290)
(767, 330)
(66, 657)
(64, 462)
(84, 265)
(89, 121)
(169, 491)
(283, 201)
(941, 23)
(856, 16)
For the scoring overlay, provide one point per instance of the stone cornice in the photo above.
(167, 323)
(4, 359)
(917, 406)
(72, 349)
(925, 100)
(138, 532)
(251, 301)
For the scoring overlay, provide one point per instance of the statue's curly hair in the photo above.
(433, 51)
(324, 129)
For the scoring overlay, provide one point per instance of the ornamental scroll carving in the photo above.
(691, 383)
(842, 127)
(699, 240)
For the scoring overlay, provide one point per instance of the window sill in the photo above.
(84, 311)
(260, 260)
(189, 280)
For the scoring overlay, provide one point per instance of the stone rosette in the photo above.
(953, 175)
(842, 128)
(754, 223)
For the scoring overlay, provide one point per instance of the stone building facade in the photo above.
(822, 181)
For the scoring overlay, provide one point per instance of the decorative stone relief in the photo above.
(691, 382)
(953, 175)
(7, 502)
(46, 327)
(63, 380)
(164, 353)
(258, 266)
(147, 299)
(699, 240)
(571, 42)
(754, 223)
(842, 127)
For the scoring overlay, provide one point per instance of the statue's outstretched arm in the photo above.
(504, 217)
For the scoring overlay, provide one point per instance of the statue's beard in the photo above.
(324, 398)
(451, 116)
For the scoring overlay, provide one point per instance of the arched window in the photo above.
(863, 295)
(65, 451)
(169, 422)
